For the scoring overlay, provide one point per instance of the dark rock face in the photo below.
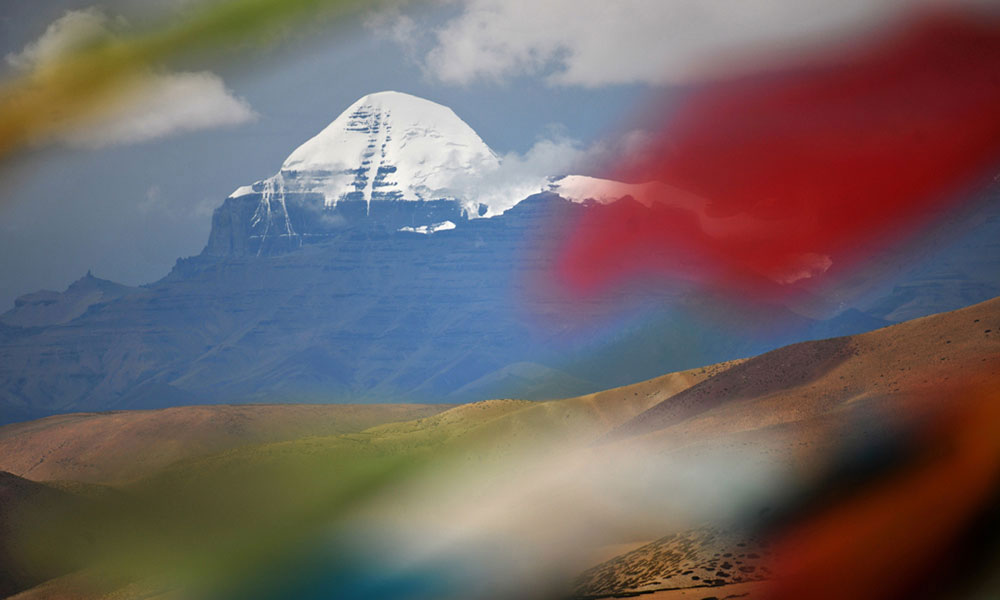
(291, 301)
(360, 311)
(353, 312)
(46, 307)
(266, 223)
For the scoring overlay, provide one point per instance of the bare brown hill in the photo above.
(700, 558)
(120, 446)
(793, 402)
(894, 368)
(20, 499)
(798, 403)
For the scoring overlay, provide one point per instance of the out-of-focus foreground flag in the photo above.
(790, 178)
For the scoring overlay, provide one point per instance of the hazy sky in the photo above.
(546, 84)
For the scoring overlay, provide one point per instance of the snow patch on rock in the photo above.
(429, 229)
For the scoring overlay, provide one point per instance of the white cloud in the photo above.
(156, 104)
(801, 266)
(519, 175)
(75, 29)
(162, 105)
(153, 200)
(393, 24)
(523, 174)
(159, 206)
(599, 42)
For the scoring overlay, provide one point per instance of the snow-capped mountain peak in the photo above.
(388, 146)
(394, 162)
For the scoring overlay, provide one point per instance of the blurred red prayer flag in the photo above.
(803, 172)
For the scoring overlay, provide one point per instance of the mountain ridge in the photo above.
(365, 301)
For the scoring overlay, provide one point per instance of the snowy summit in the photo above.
(395, 147)
(385, 146)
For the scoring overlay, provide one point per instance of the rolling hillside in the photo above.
(559, 471)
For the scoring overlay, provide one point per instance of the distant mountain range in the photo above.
(369, 269)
